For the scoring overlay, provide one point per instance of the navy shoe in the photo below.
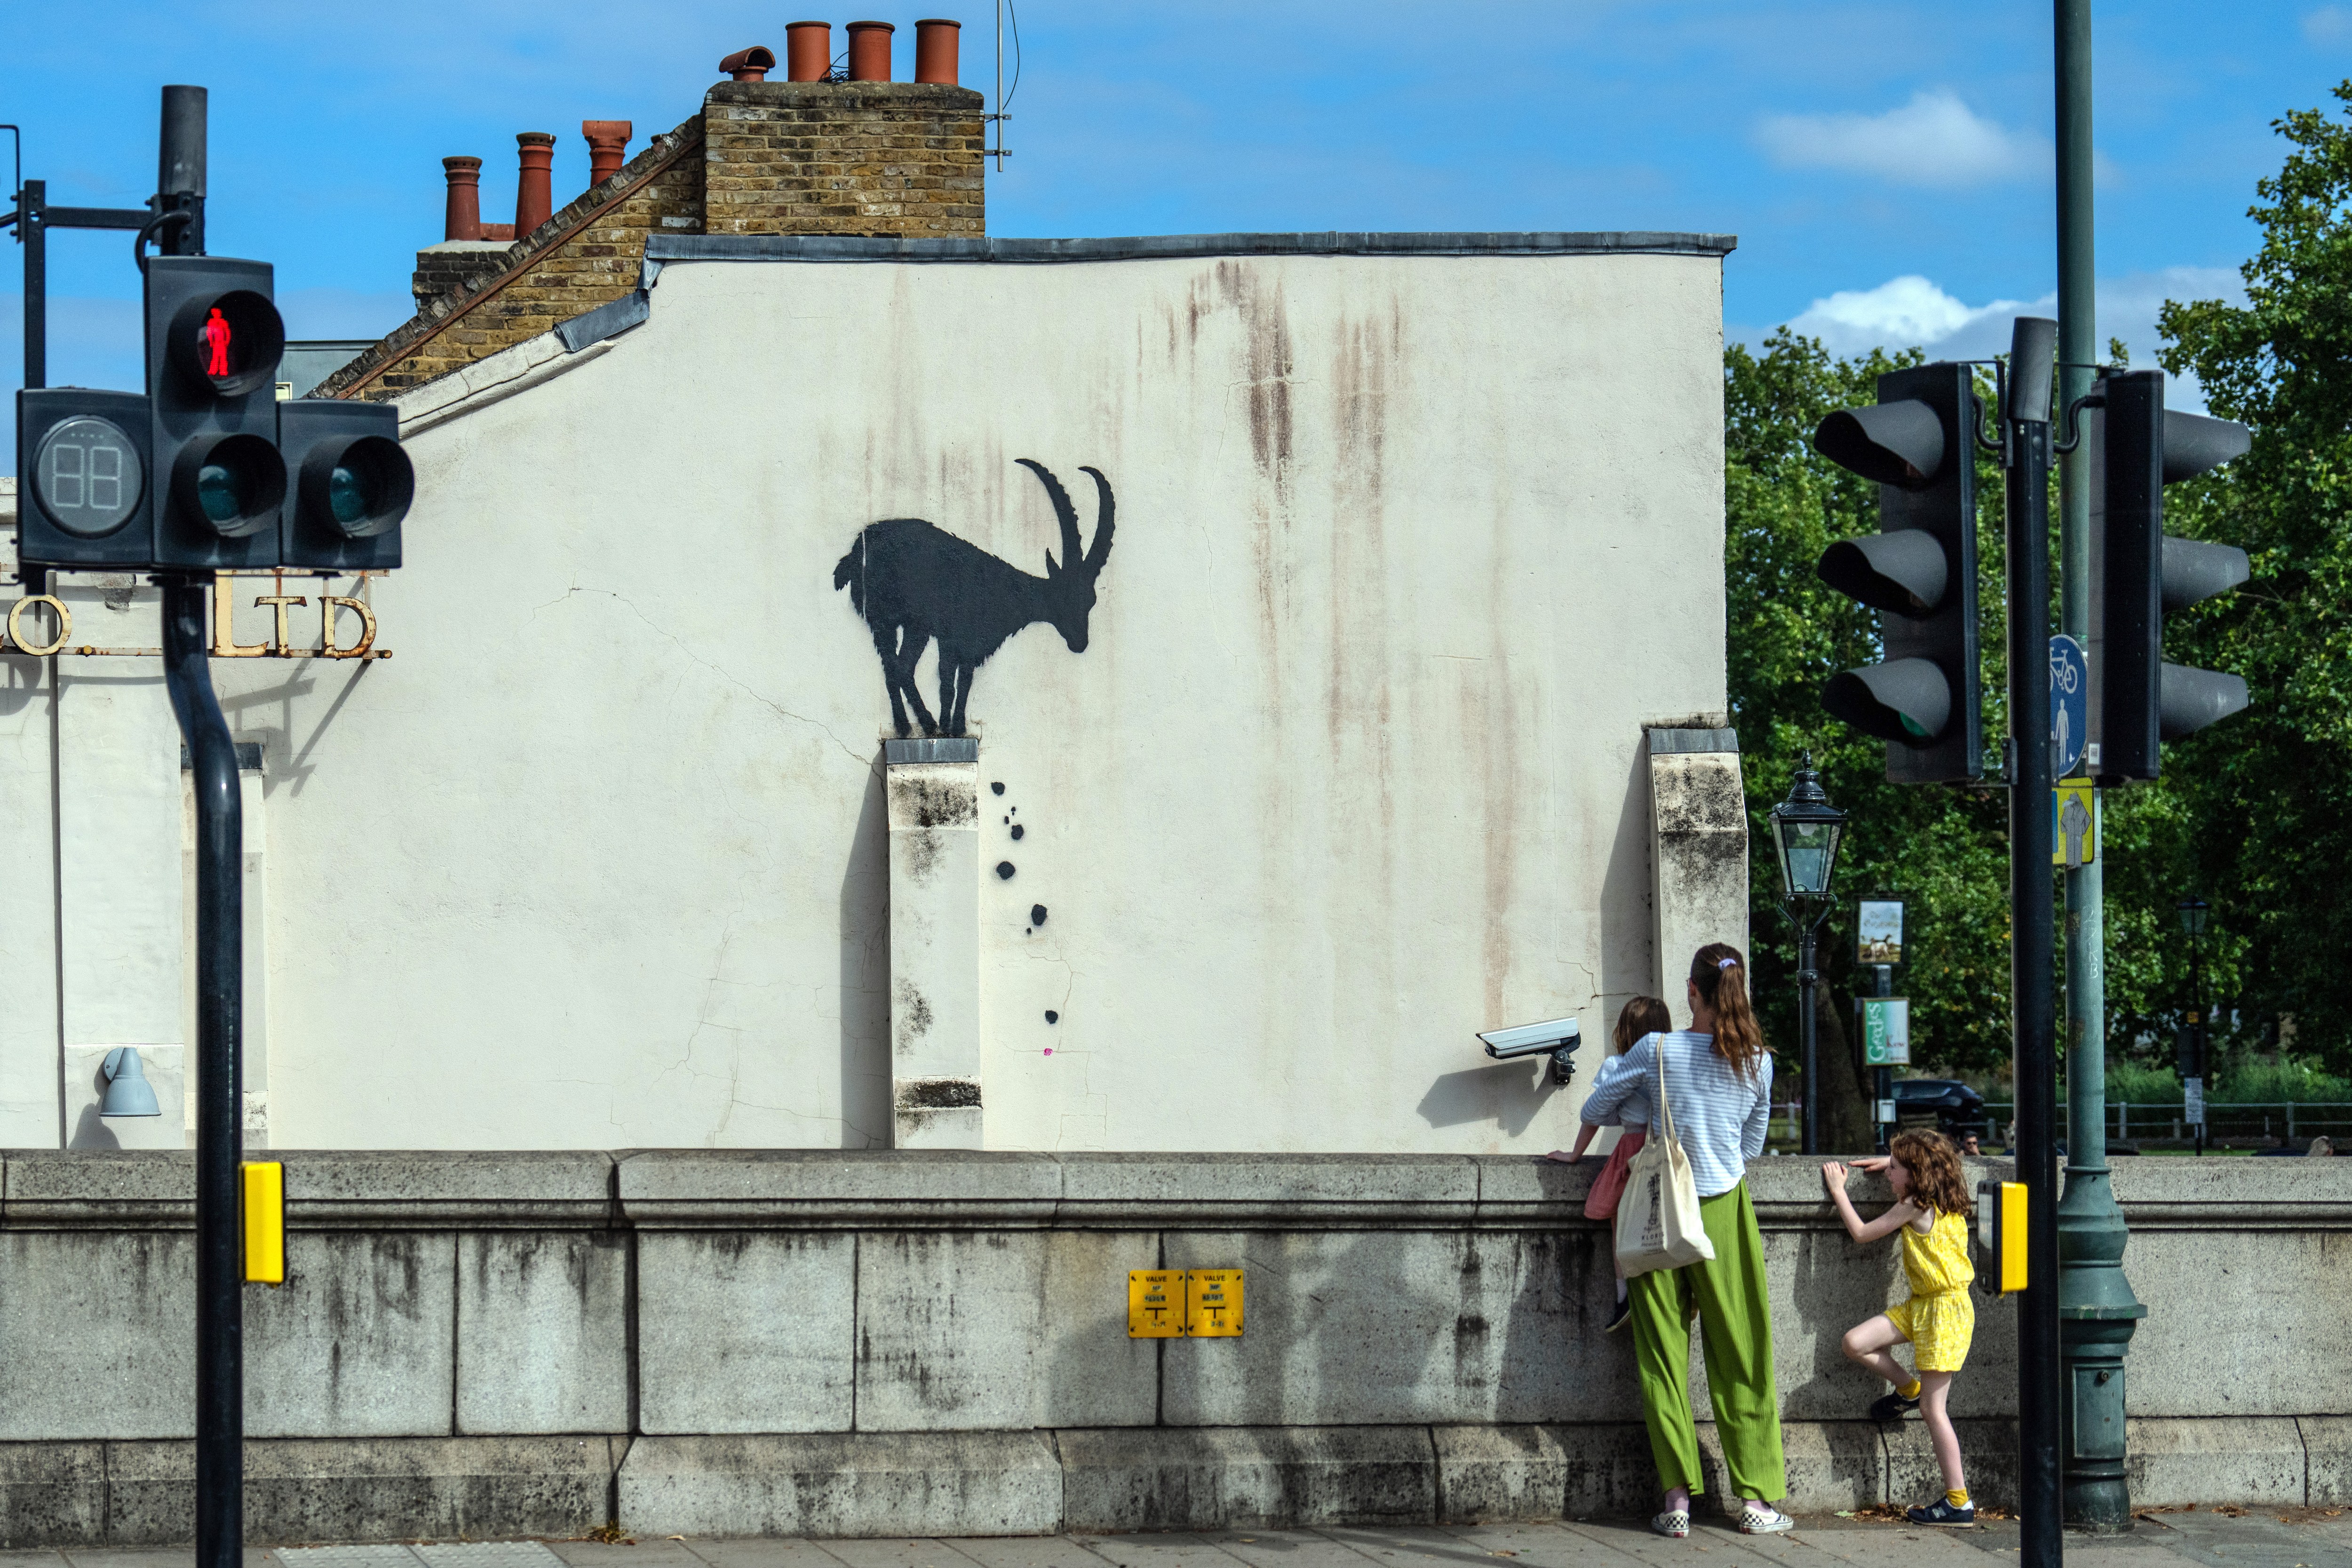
(1941, 1511)
(1624, 1311)
(1891, 1406)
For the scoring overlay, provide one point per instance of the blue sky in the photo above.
(1886, 167)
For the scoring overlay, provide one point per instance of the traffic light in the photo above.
(2139, 573)
(86, 503)
(348, 485)
(214, 341)
(1919, 569)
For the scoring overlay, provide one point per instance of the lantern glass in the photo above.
(1808, 854)
(2192, 916)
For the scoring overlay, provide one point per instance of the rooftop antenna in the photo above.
(1000, 151)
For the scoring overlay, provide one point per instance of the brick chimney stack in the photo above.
(462, 218)
(534, 200)
(608, 143)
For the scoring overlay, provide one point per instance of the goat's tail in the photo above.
(850, 572)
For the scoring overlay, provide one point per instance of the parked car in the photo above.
(1956, 1107)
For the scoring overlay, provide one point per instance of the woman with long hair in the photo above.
(1718, 1086)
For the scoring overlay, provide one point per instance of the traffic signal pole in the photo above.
(220, 950)
(2096, 1307)
(220, 1088)
(2032, 929)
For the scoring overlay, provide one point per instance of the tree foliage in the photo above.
(2255, 812)
(2252, 814)
(1943, 850)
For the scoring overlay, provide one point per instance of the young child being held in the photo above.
(1930, 1211)
(1642, 1016)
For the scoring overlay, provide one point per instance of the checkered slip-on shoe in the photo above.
(1674, 1522)
(1763, 1519)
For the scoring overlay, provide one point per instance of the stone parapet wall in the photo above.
(756, 1342)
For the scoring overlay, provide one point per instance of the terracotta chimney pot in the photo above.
(533, 199)
(749, 65)
(608, 142)
(869, 51)
(464, 219)
(935, 50)
(808, 51)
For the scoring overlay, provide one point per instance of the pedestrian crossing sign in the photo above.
(2074, 824)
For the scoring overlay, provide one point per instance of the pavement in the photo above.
(2297, 1538)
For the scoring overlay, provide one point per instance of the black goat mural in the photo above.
(911, 582)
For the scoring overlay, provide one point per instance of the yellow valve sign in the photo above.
(1155, 1303)
(1180, 1303)
(2001, 1238)
(264, 1222)
(1213, 1303)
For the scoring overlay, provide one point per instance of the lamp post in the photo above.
(1806, 833)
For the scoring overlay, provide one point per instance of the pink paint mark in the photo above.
(1049, 1050)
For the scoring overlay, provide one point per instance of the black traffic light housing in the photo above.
(214, 341)
(2139, 573)
(85, 502)
(348, 485)
(1920, 570)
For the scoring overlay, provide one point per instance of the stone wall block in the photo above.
(1610, 1472)
(52, 1494)
(2257, 1461)
(359, 1341)
(948, 1329)
(384, 1490)
(2327, 1460)
(542, 1332)
(1499, 1472)
(1830, 1465)
(1087, 1372)
(744, 1330)
(841, 1484)
(97, 1334)
(1242, 1477)
(1348, 1327)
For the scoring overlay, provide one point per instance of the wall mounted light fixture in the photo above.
(128, 1092)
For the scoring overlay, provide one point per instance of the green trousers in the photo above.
(1735, 1319)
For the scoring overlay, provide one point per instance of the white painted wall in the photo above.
(1408, 551)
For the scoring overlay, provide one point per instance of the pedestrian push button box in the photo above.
(2001, 1238)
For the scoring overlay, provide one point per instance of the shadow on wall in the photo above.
(865, 994)
(1509, 1094)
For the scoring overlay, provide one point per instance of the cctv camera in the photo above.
(1557, 1038)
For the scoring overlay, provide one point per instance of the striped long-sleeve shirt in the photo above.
(1720, 1115)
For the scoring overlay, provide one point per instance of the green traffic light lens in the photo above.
(1911, 727)
(361, 488)
(347, 495)
(223, 491)
(231, 486)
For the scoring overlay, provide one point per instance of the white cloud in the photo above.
(2327, 25)
(1899, 313)
(1911, 311)
(1933, 140)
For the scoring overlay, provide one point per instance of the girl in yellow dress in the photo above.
(1930, 1211)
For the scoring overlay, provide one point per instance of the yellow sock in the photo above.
(1909, 1390)
(1958, 1497)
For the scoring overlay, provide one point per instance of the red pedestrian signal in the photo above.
(216, 333)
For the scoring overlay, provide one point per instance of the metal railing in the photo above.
(2165, 1119)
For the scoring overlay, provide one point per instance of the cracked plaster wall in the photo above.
(1409, 550)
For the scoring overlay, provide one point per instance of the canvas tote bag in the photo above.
(1658, 1223)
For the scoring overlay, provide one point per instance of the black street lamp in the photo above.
(1806, 833)
(2193, 913)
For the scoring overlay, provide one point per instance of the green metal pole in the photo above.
(2098, 1311)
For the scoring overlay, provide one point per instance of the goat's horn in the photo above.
(1072, 549)
(1101, 546)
